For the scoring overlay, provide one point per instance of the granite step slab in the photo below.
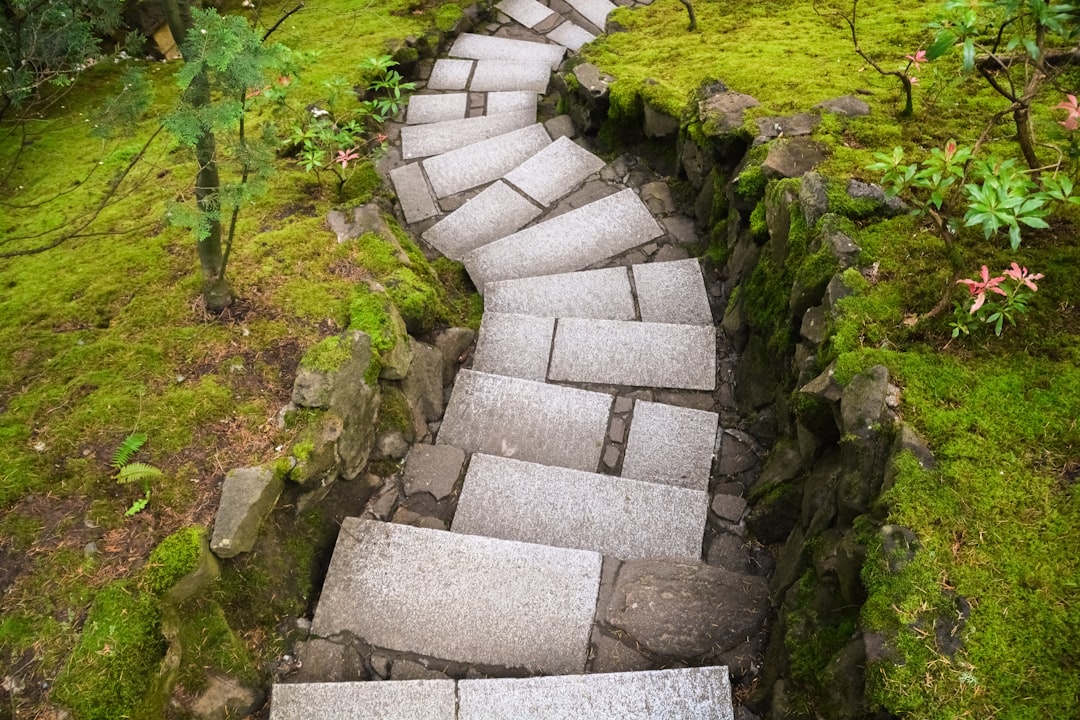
(432, 593)
(671, 445)
(600, 294)
(672, 292)
(682, 694)
(509, 100)
(620, 517)
(425, 700)
(483, 162)
(554, 171)
(418, 141)
(413, 193)
(450, 74)
(572, 241)
(436, 108)
(571, 35)
(486, 47)
(595, 11)
(526, 12)
(527, 420)
(496, 212)
(495, 75)
(514, 345)
(616, 352)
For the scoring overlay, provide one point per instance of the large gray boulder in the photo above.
(423, 385)
(792, 158)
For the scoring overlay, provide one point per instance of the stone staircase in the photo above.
(573, 463)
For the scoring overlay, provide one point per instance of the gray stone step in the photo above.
(483, 162)
(670, 445)
(554, 171)
(685, 694)
(436, 108)
(537, 422)
(595, 11)
(515, 500)
(460, 597)
(448, 74)
(571, 35)
(400, 700)
(571, 241)
(601, 294)
(413, 193)
(496, 212)
(514, 345)
(672, 292)
(436, 138)
(485, 47)
(510, 76)
(643, 354)
(509, 100)
(526, 12)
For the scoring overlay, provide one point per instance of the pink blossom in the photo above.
(344, 156)
(1073, 121)
(979, 289)
(1021, 275)
(914, 80)
(918, 58)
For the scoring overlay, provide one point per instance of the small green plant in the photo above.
(129, 472)
(994, 300)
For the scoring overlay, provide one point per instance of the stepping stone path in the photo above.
(578, 417)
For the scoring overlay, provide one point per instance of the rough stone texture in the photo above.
(728, 552)
(450, 74)
(410, 670)
(432, 593)
(738, 452)
(842, 247)
(791, 126)
(723, 112)
(423, 385)
(412, 190)
(495, 75)
(685, 694)
(485, 161)
(813, 197)
(571, 35)
(792, 158)
(436, 108)
(425, 700)
(561, 126)
(670, 445)
(813, 325)
(681, 229)
(315, 388)
(600, 294)
(397, 360)
(433, 469)
(496, 212)
(682, 609)
(514, 345)
(609, 655)
(510, 100)
(672, 292)
(657, 197)
(453, 343)
(848, 105)
(531, 421)
(226, 697)
(571, 241)
(595, 11)
(658, 124)
(365, 218)
(319, 439)
(634, 353)
(419, 141)
(526, 12)
(485, 47)
(335, 659)
(247, 496)
(514, 500)
(554, 171)
(729, 507)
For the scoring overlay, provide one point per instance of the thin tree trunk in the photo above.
(690, 11)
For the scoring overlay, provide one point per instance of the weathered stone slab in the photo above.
(496, 212)
(486, 47)
(526, 12)
(432, 469)
(671, 445)
(595, 11)
(425, 700)
(515, 500)
(542, 423)
(632, 353)
(462, 598)
(482, 162)
(685, 694)
(436, 138)
(571, 241)
(247, 496)
(450, 74)
(510, 100)
(514, 345)
(672, 292)
(571, 35)
(554, 171)
(502, 75)
(413, 193)
(601, 294)
(436, 108)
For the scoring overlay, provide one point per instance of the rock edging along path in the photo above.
(587, 422)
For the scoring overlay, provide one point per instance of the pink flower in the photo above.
(950, 150)
(344, 156)
(1021, 276)
(914, 80)
(1073, 121)
(979, 289)
(918, 58)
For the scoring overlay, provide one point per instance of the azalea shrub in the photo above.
(994, 300)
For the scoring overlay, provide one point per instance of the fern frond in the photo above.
(133, 472)
(138, 505)
(127, 449)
